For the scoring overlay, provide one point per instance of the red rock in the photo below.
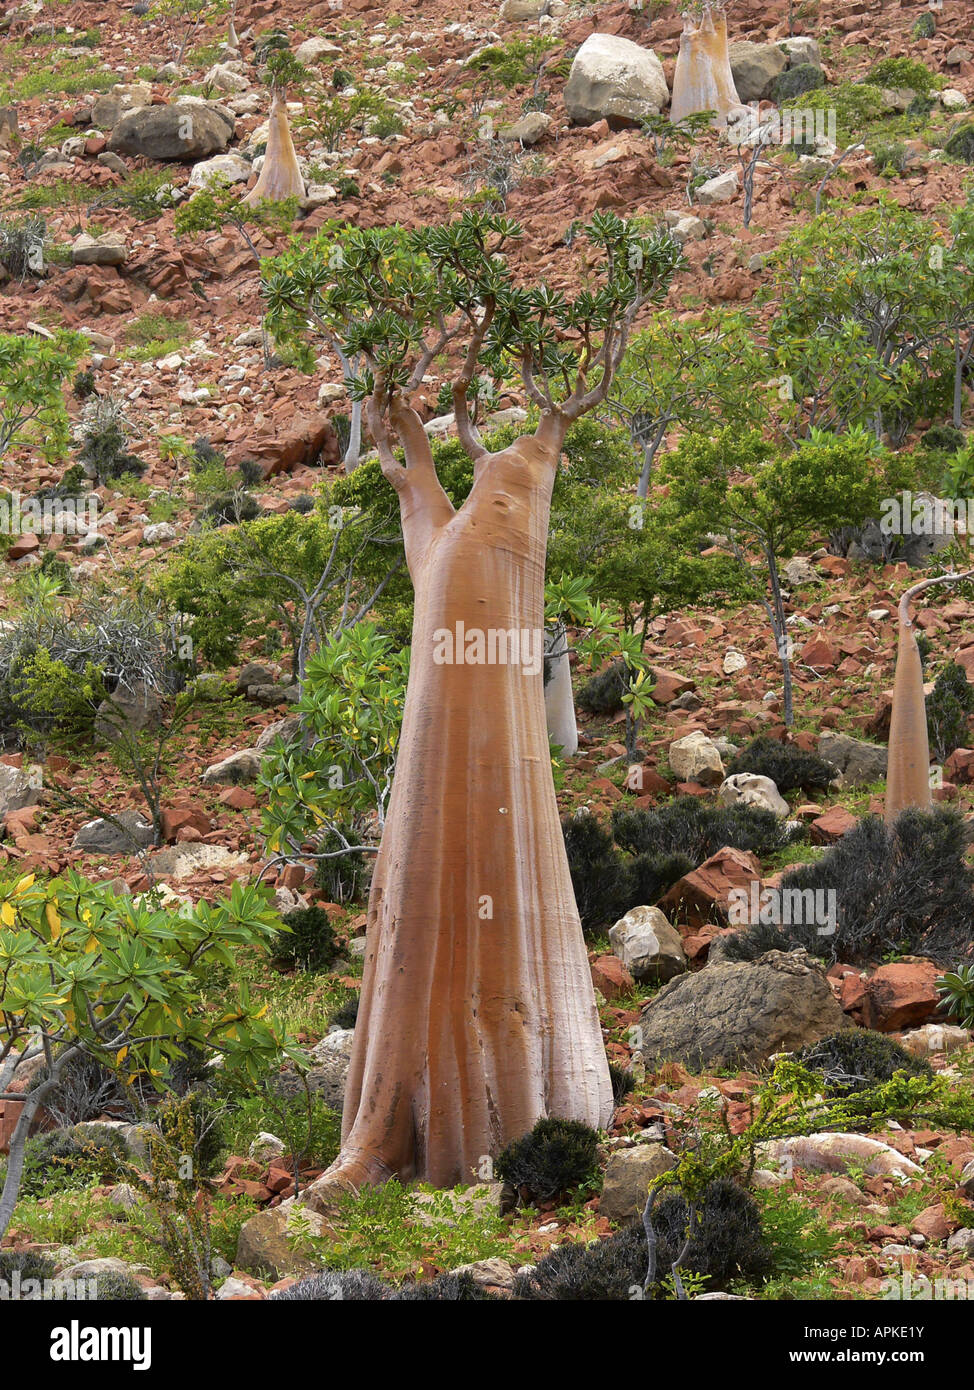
(832, 825)
(934, 1223)
(669, 684)
(702, 895)
(610, 977)
(292, 876)
(820, 652)
(238, 798)
(25, 544)
(902, 995)
(176, 818)
(959, 767)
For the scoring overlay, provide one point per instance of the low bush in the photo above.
(65, 1159)
(855, 1059)
(788, 766)
(602, 695)
(949, 708)
(908, 889)
(555, 1157)
(698, 829)
(309, 943)
(804, 77)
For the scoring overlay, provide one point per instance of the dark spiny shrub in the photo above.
(804, 77)
(949, 708)
(650, 876)
(610, 1271)
(445, 1288)
(84, 1090)
(230, 508)
(961, 143)
(556, 1156)
(622, 1081)
(251, 472)
(341, 878)
(311, 943)
(726, 1243)
(751, 942)
(599, 877)
(925, 27)
(788, 766)
(699, 829)
(303, 503)
(347, 1015)
(905, 889)
(603, 693)
(26, 1263)
(69, 1159)
(350, 1286)
(854, 1059)
(111, 1286)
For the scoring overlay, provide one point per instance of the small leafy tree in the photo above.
(785, 500)
(84, 973)
(327, 792)
(32, 376)
(694, 372)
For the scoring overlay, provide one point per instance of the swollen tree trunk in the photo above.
(280, 176)
(908, 772)
(477, 1014)
(559, 702)
(702, 80)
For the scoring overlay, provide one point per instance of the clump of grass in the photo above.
(154, 334)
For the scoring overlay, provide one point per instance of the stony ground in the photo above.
(172, 327)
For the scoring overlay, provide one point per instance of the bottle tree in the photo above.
(477, 1014)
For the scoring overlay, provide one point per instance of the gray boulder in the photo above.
(184, 131)
(126, 832)
(131, 709)
(738, 1013)
(19, 788)
(861, 763)
(627, 1177)
(234, 769)
(615, 79)
(755, 67)
(648, 946)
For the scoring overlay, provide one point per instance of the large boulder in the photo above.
(628, 1174)
(696, 758)
(268, 1245)
(123, 834)
(328, 1077)
(234, 769)
(749, 789)
(185, 131)
(648, 946)
(614, 79)
(861, 763)
(19, 788)
(835, 1153)
(738, 1013)
(755, 67)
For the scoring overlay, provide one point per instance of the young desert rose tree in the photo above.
(280, 177)
(908, 777)
(477, 1013)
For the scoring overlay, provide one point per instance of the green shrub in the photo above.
(788, 766)
(696, 828)
(925, 27)
(804, 77)
(27, 1263)
(205, 1115)
(855, 1059)
(908, 889)
(311, 943)
(555, 1157)
(857, 105)
(960, 145)
(606, 884)
(69, 1159)
(902, 72)
(103, 442)
(943, 439)
(725, 1244)
(890, 157)
(957, 989)
(949, 708)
